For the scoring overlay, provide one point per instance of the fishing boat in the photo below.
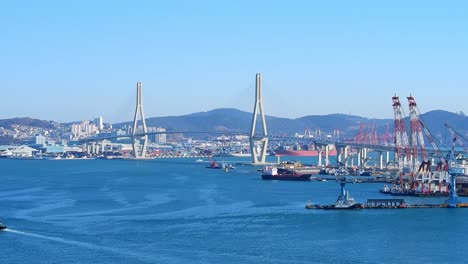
(2, 226)
(214, 165)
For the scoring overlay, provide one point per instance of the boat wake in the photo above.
(56, 239)
(127, 253)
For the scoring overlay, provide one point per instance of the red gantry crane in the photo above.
(401, 137)
(416, 133)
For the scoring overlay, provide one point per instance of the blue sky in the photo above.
(73, 60)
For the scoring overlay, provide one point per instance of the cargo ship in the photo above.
(302, 151)
(285, 174)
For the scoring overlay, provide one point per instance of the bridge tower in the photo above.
(139, 110)
(262, 139)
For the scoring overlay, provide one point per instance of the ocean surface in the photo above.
(177, 211)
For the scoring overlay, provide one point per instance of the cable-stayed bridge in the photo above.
(259, 137)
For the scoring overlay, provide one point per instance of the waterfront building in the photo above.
(53, 149)
(22, 152)
(39, 140)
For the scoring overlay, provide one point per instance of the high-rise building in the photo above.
(84, 129)
(161, 138)
(98, 122)
(76, 130)
(157, 138)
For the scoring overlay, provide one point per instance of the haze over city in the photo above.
(67, 61)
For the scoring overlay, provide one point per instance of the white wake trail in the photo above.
(84, 244)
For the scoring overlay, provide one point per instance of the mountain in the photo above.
(26, 121)
(9, 125)
(228, 119)
(435, 120)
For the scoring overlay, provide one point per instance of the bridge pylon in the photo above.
(261, 140)
(139, 110)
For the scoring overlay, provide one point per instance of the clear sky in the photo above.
(73, 60)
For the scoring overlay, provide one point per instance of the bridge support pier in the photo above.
(339, 155)
(262, 140)
(359, 153)
(327, 160)
(346, 156)
(320, 157)
(381, 160)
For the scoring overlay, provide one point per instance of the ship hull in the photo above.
(303, 153)
(303, 177)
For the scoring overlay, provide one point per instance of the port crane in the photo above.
(441, 174)
(456, 137)
(416, 134)
(454, 170)
(401, 137)
(418, 173)
(424, 180)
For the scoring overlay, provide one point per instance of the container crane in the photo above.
(360, 136)
(384, 138)
(373, 138)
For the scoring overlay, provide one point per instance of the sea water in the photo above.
(178, 211)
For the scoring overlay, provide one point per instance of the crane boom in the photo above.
(431, 139)
(456, 136)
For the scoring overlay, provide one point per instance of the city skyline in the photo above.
(72, 61)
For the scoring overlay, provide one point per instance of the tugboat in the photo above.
(344, 201)
(2, 226)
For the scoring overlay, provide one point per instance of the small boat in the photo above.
(228, 166)
(214, 165)
(365, 173)
(2, 226)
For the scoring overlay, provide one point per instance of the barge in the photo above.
(345, 201)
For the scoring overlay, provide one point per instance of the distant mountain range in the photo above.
(228, 119)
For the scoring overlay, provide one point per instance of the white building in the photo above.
(23, 151)
(84, 129)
